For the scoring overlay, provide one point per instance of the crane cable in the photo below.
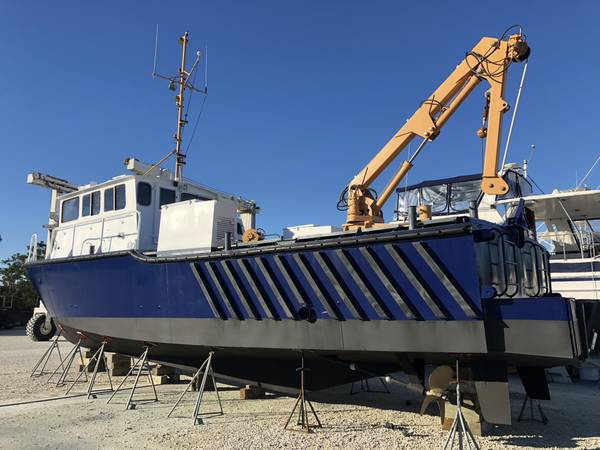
(514, 114)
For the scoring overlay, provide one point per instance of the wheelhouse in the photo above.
(124, 213)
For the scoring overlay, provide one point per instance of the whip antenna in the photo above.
(514, 114)
(155, 52)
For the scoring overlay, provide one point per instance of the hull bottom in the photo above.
(185, 343)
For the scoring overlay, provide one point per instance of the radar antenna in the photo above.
(180, 82)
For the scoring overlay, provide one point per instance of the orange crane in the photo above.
(489, 60)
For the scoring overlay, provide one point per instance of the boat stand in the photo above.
(460, 426)
(68, 362)
(141, 364)
(98, 356)
(43, 361)
(532, 418)
(364, 387)
(207, 370)
(303, 421)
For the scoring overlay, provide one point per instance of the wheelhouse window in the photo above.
(114, 198)
(90, 204)
(109, 199)
(95, 203)
(461, 194)
(167, 196)
(446, 196)
(120, 197)
(70, 210)
(187, 196)
(86, 204)
(144, 194)
(437, 197)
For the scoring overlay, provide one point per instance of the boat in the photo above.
(567, 225)
(151, 260)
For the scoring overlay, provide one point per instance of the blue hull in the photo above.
(380, 300)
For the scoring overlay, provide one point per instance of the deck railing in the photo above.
(582, 244)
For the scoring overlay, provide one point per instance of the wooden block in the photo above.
(160, 379)
(86, 359)
(477, 425)
(208, 387)
(165, 379)
(118, 364)
(250, 392)
(161, 369)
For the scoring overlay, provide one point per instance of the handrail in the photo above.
(102, 237)
(516, 264)
(32, 249)
(584, 240)
(75, 226)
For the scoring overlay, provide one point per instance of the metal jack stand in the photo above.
(364, 387)
(69, 361)
(543, 419)
(43, 361)
(142, 365)
(303, 411)
(207, 370)
(98, 356)
(460, 425)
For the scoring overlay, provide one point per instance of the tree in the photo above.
(14, 284)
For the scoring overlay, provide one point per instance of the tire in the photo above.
(36, 329)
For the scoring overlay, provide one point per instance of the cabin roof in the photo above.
(428, 183)
(578, 205)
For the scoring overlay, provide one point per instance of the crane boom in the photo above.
(489, 60)
(50, 182)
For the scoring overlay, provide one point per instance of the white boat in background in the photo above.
(568, 224)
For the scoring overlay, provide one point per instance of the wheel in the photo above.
(37, 330)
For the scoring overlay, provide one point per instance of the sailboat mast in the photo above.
(179, 100)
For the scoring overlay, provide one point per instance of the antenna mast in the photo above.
(181, 122)
(182, 79)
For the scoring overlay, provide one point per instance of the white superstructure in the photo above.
(124, 213)
(568, 224)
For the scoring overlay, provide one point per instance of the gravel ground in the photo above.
(353, 422)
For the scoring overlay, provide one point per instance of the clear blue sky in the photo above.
(302, 94)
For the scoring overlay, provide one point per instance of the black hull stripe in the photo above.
(233, 311)
(237, 287)
(274, 288)
(398, 296)
(313, 285)
(447, 279)
(413, 277)
(285, 274)
(209, 298)
(346, 283)
(250, 281)
(336, 285)
(372, 297)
